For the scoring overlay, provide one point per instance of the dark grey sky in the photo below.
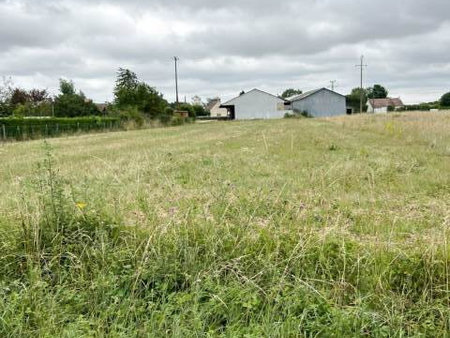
(228, 46)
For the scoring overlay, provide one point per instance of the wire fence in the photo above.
(47, 130)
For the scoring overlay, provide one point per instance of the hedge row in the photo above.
(30, 128)
(11, 121)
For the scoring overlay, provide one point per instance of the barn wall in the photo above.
(381, 110)
(321, 104)
(258, 105)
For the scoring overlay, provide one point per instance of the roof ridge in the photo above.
(254, 89)
(309, 93)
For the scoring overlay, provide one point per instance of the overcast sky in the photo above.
(226, 46)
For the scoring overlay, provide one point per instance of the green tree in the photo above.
(129, 92)
(377, 92)
(445, 100)
(354, 97)
(19, 96)
(290, 92)
(66, 87)
(29, 103)
(6, 89)
(69, 103)
(38, 96)
(189, 108)
(199, 110)
(149, 101)
(126, 88)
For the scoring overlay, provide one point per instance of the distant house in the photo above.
(383, 105)
(255, 104)
(214, 108)
(320, 102)
(102, 107)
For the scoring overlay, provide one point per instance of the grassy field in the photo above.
(284, 228)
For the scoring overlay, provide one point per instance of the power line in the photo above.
(361, 65)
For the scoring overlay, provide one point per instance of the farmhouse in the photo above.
(383, 105)
(319, 103)
(255, 104)
(214, 108)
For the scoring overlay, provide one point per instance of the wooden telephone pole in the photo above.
(361, 91)
(175, 58)
(333, 82)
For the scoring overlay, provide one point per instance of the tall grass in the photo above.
(284, 251)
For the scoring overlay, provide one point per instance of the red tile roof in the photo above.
(381, 103)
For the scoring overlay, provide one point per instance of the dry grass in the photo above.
(266, 228)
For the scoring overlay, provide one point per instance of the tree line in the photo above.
(133, 99)
(136, 100)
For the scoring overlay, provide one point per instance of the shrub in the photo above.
(20, 111)
(178, 121)
(132, 114)
(165, 119)
(169, 111)
(297, 114)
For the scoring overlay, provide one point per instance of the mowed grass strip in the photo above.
(261, 228)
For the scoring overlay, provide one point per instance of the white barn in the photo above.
(255, 104)
(320, 102)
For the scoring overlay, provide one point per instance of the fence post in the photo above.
(4, 132)
(57, 128)
(46, 129)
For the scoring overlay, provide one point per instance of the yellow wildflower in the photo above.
(81, 205)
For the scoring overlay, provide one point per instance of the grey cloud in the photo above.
(226, 46)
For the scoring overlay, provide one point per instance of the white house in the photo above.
(319, 103)
(214, 108)
(382, 105)
(255, 104)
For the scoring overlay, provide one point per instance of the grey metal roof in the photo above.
(308, 93)
(254, 89)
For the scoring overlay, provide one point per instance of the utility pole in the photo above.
(332, 84)
(361, 91)
(175, 58)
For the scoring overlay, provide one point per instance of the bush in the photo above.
(165, 119)
(199, 110)
(178, 121)
(169, 111)
(132, 115)
(189, 108)
(20, 111)
(297, 114)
